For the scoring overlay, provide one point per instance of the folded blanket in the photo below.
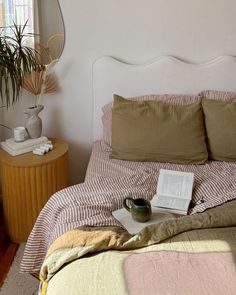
(81, 241)
(191, 263)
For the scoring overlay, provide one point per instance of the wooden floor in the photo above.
(7, 251)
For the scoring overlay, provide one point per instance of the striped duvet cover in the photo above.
(107, 183)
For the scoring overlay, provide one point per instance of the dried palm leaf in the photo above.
(33, 81)
(37, 83)
(50, 84)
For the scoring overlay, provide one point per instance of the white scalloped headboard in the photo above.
(164, 74)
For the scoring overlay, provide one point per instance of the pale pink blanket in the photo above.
(107, 183)
(168, 273)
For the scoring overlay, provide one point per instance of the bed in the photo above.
(78, 247)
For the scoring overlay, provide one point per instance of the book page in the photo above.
(174, 203)
(175, 184)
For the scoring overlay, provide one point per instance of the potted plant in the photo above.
(16, 60)
(20, 67)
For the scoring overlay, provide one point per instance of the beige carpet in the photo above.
(17, 283)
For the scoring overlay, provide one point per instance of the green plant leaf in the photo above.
(16, 60)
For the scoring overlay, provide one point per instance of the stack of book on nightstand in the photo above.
(17, 148)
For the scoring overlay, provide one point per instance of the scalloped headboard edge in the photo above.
(162, 75)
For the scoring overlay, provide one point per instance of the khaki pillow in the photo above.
(155, 131)
(173, 99)
(220, 122)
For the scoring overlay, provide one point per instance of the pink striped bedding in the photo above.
(107, 183)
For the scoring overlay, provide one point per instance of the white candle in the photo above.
(19, 134)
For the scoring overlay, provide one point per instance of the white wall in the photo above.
(136, 31)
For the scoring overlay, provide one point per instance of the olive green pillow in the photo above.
(220, 122)
(158, 132)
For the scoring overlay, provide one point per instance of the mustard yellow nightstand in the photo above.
(28, 181)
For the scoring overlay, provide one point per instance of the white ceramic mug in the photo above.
(19, 134)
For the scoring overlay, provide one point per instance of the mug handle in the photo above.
(125, 204)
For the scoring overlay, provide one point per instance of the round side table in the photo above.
(28, 181)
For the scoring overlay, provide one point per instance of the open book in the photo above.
(174, 191)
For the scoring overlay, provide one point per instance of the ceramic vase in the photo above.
(33, 123)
